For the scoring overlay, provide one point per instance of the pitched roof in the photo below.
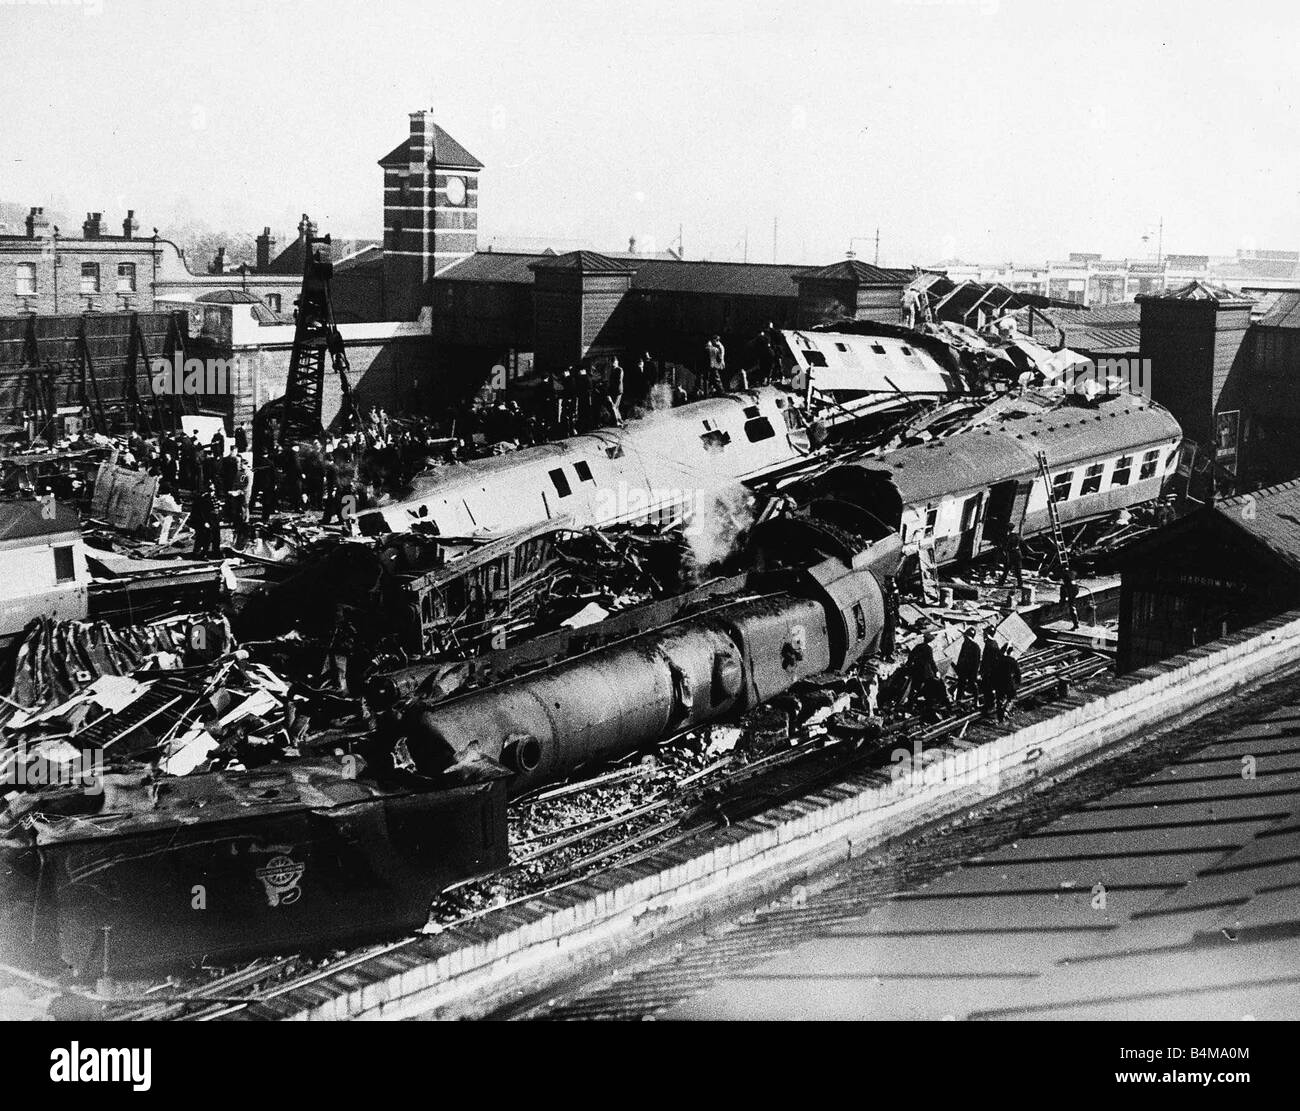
(1283, 312)
(740, 279)
(1098, 341)
(288, 261)
(852, 270)
(1270, 515)
(446, 152)
(492, 266)
(370, 255)
(588, 262)
(737, 279)
(1199, 291)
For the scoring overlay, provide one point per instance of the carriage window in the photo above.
(1061, 485)
(1150, 462)
(760, 429)
(561, 483)
(63, 569)
(814, 358)
(907, 350)
(584, 471)
(841, 347)
(877, 349)
(715, 439)
(1092, 479)
(1122, 470)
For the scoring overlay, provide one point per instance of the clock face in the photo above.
(455, 190)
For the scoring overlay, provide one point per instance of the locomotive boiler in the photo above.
(793, 623)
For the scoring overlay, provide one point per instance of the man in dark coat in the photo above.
(1070, 594)
(205, 519)
(989, 670)
(923, 671)
(1007, 673)
(968, 667)
(1013, 560)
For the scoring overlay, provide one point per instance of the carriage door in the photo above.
(968, 540)
(1000, 515)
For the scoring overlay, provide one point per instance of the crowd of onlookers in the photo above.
(336, 475)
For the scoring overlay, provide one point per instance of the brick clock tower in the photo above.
(430, 213)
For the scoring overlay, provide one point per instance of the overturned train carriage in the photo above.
(963, 494)
(703, 668)
(233, 864)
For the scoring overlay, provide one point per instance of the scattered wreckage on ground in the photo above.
(342, 712)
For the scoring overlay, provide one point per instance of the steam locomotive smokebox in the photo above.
(237, 864)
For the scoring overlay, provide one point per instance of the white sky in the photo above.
(989, 129)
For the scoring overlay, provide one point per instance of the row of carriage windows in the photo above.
(1091, 483)
(757, 429)
(1093, 473)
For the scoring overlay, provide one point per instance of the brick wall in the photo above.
(57, 268)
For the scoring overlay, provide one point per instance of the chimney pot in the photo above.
(92, 228)
(37, 223)
(130, 225)
(265, 244)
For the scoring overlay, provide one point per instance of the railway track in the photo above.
(681, 809)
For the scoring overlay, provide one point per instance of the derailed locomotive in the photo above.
(790, 624)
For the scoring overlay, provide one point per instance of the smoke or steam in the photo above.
(719, 517)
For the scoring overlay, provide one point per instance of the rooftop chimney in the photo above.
(306, 228)
(92, 228)
(218, 262)
(421, 144)
(265, 244)
(130, 225)
(37, 224)
(631, 244)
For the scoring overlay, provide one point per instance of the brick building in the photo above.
(49, 272)
(430, 213)
(1195, 338)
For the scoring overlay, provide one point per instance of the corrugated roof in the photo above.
(446, 152)
(1121, 312)
(1271, 516)
(1105, 340)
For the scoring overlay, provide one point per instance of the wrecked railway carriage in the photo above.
(293, 841)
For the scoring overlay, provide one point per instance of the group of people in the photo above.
(988, 675)
(586, 395)
(762, 363)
